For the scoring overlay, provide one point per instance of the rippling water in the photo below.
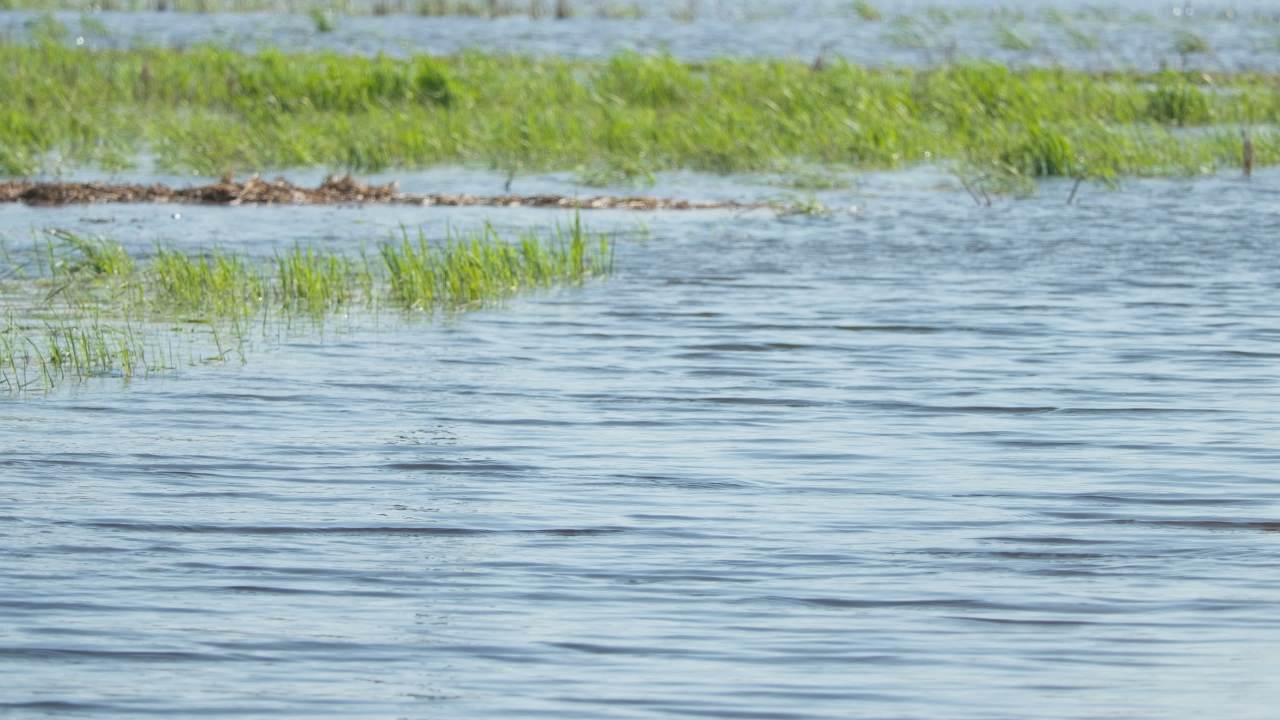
(918, 460)
(1139, 34)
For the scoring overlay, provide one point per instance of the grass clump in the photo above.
(1010, 39)
(1186, 42)
(1041, 152)
(323, 20)
(216, 284)
(94, 256)
(311, 281)
(465, 271)
(445, 8)
(1176, 101)
(44, 354)
(272, 82)
(1081, 39)
(866, 11)
(655, 82)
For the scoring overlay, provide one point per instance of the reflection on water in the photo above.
(920, 460)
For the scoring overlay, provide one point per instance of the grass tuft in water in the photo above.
(217, 284)
(323, 19)
(94, 256)
(315, 282)
(866, 11)
(1010, 39)
(469, 270)
(95, 311)
(1186, 42)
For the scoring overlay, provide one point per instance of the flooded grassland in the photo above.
(907, 395)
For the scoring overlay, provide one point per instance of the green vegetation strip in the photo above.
(91, 309)
(215, 110)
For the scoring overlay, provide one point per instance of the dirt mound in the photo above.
(335, 190)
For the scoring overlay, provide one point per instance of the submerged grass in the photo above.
(82, 318)
(212, 110)
(42, 355)
(465, 271)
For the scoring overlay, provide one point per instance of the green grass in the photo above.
(98, 258)
(1173, 100)
(1010, 39)
(1186, 42)
(78, 316)
(866, 11)
(466, 271)
(211, 110)
(324, 20)
(41, 355)
(1081, 39)
(217, 284)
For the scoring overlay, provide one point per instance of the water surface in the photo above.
(1134, 34)
(915, 459)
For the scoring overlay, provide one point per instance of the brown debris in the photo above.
(334, 190)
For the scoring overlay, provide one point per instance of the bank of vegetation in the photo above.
(213, 110)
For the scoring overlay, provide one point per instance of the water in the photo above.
(919, 460)
(1136, 34)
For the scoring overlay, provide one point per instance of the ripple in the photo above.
(860, 466)
(410, 531)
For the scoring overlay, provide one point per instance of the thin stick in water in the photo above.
(1074, 189)
(1246, 154)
